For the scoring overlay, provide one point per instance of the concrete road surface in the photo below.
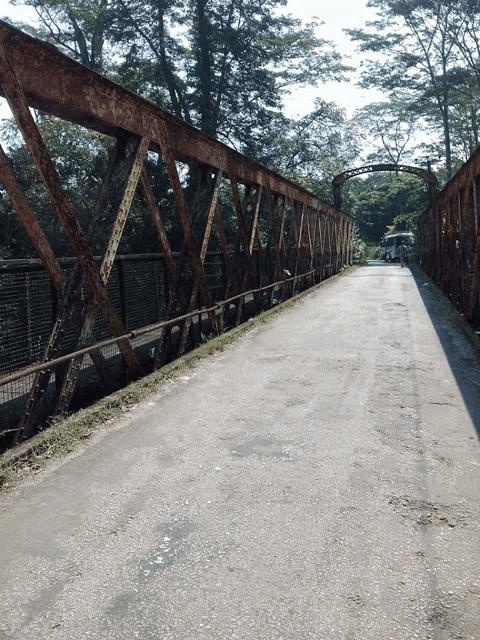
(320, 479)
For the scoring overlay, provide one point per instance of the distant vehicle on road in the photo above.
(391, 245)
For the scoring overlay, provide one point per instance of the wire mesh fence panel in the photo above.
(144, 292)
(139, 288)
(101, 330)
(215, 278)
(26, 316)
(13, 397)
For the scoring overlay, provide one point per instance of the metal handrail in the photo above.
(52, 364)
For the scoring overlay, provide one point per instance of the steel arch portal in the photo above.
(429, 178)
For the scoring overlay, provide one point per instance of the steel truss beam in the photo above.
(72, 312)
(449, 240)
(203, 253)
(70, 375)
(34, 74)
(56, 84)
(427, 176)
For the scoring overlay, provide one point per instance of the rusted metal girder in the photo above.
(426, 175)
(300, 240)
(247, 270)
(277, 212)
(256, 211)
(329, 224)
(227, 261)
(149, 199)
(189, 237)
(60, 86)
(242, 231)
(269, 253)
(33, 74)
(30, 223)
(449, 240)
(70, 376)
(61, 204)
(71, 311)
(210, 216)
(203, 253)
(314, 252)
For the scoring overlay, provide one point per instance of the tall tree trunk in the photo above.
(204, 69)
(474, 123)
(179, 107)
(448, 144)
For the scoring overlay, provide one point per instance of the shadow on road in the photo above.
(464, 360)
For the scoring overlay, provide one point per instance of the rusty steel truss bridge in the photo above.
(285, 240)
(305, 241)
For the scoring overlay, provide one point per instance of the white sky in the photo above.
(337, 15)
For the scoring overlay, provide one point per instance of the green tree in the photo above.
(309, 150)
(417, 40)
(466, 35)
(77, 27)
(389, 126)
(223, 66)
(381, 199)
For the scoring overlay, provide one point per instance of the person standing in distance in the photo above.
(403, 254)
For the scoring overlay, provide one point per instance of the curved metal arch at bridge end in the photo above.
(427, 176)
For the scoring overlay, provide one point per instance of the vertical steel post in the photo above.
(146, 192)
(161, 136)
(203, 252)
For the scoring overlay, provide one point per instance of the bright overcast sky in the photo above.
(337, 15)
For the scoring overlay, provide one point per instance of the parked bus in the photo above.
(391, 245)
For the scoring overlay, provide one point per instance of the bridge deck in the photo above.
(317, 480)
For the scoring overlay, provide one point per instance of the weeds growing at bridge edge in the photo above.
(63, 436)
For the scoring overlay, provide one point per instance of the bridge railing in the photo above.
(449, 240)
(280, 231)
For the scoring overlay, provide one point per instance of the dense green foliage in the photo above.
(223, 66)
(226, 66)
(383, 203)
(424, 55)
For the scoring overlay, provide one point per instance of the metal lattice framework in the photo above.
(427, 176)
(449, 240)
(307, 239)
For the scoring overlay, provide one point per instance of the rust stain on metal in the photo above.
(449, 240)
(149, 198)
(34, 74)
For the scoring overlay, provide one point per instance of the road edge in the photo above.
(64, 435)
(455, 315)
